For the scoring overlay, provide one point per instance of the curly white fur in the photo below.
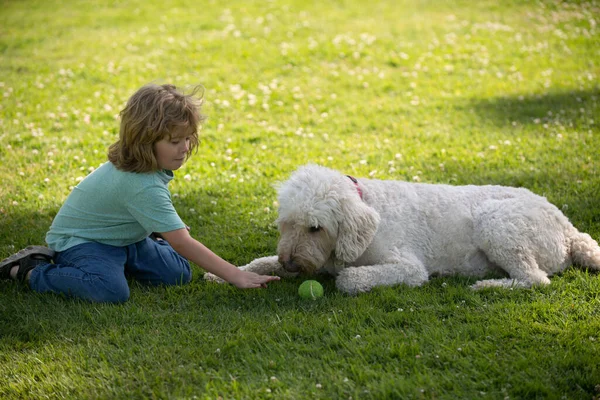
(401, 232)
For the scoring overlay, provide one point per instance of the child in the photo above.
(113, 223)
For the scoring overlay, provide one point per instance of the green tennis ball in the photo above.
(310, 290)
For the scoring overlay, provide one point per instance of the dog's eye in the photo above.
(314, 229)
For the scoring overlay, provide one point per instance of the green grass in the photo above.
(455, 92)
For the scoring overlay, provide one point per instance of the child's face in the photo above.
(171, 151)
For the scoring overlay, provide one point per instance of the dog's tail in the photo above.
(585, 251)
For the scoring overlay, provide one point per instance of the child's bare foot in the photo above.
(19, 265)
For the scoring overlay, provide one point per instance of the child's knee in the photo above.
(120, 296)
(180, 276)
(109, 292)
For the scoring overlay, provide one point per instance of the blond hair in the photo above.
(151, 114)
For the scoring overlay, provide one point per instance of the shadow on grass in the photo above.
(565, 107)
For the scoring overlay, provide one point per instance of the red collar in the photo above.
(353, 179)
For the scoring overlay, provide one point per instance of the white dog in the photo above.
(380, 233)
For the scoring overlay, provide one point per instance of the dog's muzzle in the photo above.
(290, 265)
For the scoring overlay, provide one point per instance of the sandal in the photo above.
(26, 259)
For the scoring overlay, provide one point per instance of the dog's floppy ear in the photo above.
(357, 227)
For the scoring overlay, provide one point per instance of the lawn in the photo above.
(456, 92)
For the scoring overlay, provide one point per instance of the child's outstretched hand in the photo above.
(248, 280)
(215, 266)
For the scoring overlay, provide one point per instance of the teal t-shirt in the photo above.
(116, 208)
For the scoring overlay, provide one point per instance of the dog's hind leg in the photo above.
(409, 271)
(505, 283)
(520, 266)
(517, 237)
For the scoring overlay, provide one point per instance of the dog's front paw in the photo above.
(265, 266)
(213, 278)
(350, 281)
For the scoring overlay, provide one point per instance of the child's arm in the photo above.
(193, 250)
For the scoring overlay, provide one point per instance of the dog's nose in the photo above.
(291, 266)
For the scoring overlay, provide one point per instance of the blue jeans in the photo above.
(97, 272)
